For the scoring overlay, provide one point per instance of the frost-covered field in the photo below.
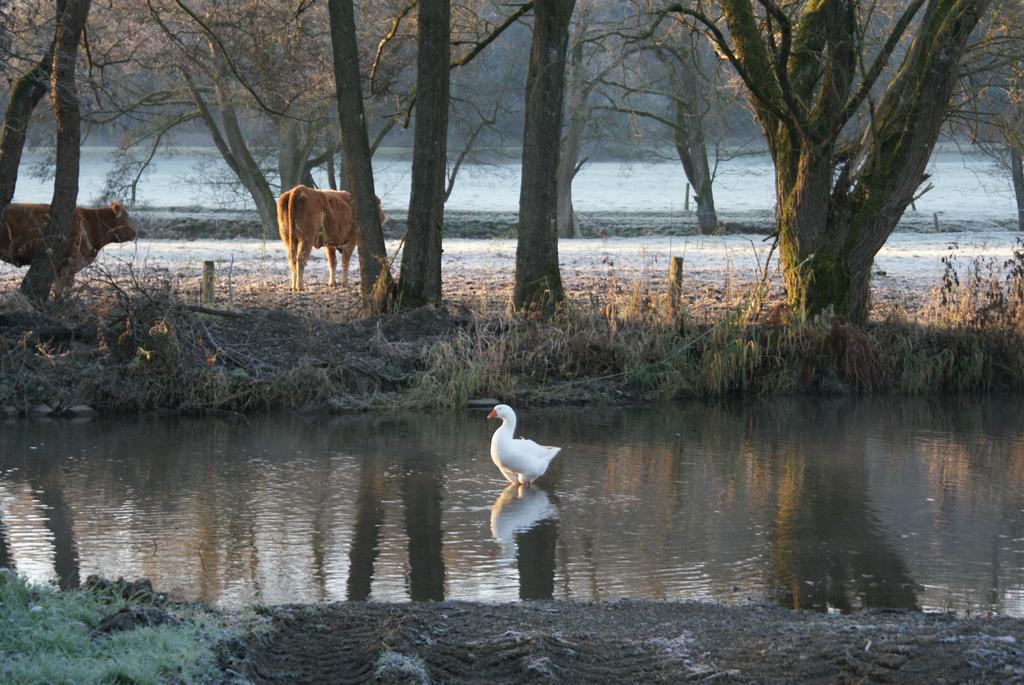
(715, 268)
(913, 259)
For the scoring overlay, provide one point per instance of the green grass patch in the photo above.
(49, 636)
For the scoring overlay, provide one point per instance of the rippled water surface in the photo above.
(882, 503)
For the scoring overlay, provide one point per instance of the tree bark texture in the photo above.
(230, 142)
(419, 281)
(688, 133)
(295, 141)
(538, 281)
(375, 275)
(42, 272)
(838, 204)
(1017, 174)
(24, 97)
(576, 92)
(691, 147)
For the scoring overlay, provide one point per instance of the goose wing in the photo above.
(527, 457)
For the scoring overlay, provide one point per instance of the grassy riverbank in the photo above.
(132, 342)
(134, 345)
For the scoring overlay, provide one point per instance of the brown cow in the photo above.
(21, 236)
(308, 218)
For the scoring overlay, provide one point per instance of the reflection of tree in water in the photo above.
(421, 483)
(535, 559)
(47, 482)
(421, 494)
(828, 542)
(6, 559)
(366, 528)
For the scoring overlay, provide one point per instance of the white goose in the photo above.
(520, 460)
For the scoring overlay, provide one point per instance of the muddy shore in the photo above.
(619, 642)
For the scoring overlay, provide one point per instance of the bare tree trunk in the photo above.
(233, 149)
(41, 274)
(693, 153)
(1017, 174)
(374, 271)
(332, 180)
(419, 281)
(572, 142)
(295, 140)
(538, 280)
(691, 145)
(248, 169)
(565, 214)
(688, 105)
(24, 96)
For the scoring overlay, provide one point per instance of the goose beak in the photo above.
(492, 415)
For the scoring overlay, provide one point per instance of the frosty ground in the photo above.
(718, 270)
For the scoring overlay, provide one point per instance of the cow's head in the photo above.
(380, 212)
(118, 228)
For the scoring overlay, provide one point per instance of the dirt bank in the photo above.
(620, 642)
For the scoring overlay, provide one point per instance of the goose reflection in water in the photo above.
(517, 510)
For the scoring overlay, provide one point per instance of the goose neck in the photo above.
(508, 426)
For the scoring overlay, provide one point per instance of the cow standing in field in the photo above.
(308, 218)
(21, 236)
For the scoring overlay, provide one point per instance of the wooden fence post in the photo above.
(675, 282)
(207, 285)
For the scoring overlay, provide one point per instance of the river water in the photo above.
(808, 503)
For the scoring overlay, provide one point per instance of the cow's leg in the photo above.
(346, 257)
(332, 263)
(293, 267)
(302, 258)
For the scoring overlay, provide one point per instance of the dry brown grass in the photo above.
(125, 342)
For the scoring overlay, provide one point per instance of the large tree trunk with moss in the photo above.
(374, 271)
(538, 280)
(43, 271)
(419, 281)
(839, 199)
